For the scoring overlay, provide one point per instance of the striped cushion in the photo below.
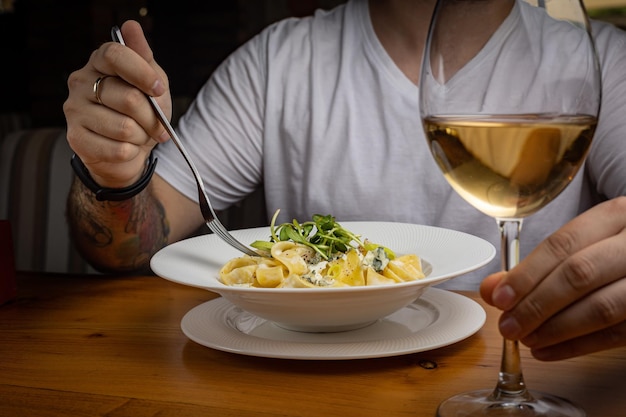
(35, 177)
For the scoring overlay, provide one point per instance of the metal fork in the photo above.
(205, 205)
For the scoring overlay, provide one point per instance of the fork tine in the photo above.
(218, 228)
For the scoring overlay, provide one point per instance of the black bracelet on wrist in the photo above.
(113, 194)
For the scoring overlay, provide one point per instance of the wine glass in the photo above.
(509, 100)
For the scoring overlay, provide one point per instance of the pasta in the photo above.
(294, 265)
(300, 261)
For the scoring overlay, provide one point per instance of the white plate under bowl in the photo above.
(438, 318)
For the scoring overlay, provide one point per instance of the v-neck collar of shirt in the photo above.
(376, 51)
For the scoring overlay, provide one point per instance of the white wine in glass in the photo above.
(510, 93)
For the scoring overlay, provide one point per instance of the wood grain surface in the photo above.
(112, 346)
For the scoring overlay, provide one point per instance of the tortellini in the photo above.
(294, 265)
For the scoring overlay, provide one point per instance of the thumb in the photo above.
(135, 39)
(489, 284)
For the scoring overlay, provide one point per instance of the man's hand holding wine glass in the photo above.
(568, 297)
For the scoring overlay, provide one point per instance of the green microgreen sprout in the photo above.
(322, 234)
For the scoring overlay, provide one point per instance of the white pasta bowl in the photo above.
(445, 254)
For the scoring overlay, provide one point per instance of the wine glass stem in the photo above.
(510, 379)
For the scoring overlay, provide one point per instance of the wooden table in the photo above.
(93, 345)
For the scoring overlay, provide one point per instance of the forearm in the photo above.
(116, 236)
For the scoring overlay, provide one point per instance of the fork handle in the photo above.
(116, 35)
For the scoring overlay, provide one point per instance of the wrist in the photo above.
(113, 194)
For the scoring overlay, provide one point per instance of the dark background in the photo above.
(43, 41)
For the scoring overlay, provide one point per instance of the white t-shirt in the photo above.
(315, 109)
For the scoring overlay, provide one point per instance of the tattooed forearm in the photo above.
(116, 236)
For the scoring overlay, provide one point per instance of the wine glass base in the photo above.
(482, 403)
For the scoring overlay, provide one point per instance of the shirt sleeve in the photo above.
(222, 130)
(605, 163)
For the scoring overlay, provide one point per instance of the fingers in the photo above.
(136, 40)
(571, 287)
(133, 119)
(124, 114)
(137, 67)
(489, 284)
(113, 146)
(118, 164)
(131, 76)
(577, 258)
(588, 269)
(604, 339)
(597, 322)
(114, 131)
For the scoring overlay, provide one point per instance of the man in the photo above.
(323, 111)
